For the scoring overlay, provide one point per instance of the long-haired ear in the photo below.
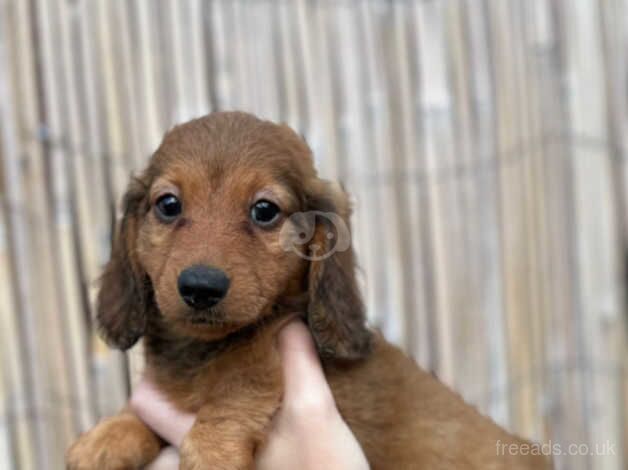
(335, 313)
(123, 297)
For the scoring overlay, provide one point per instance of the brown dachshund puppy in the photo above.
(225, 235)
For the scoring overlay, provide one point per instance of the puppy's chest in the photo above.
(234, 375)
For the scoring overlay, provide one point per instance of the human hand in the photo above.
(164, 419)
(307, 432)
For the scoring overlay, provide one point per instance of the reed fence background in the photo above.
(485, 142)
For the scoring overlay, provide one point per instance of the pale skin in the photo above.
(307, 433)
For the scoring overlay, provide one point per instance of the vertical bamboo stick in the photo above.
(436, 107)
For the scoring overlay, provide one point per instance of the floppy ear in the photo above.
(335, 311)
(123, 298)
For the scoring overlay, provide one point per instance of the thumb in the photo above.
(304, 379)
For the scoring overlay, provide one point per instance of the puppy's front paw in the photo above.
(119, 443)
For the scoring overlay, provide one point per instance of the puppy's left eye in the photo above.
(264, 213)
(168, 208)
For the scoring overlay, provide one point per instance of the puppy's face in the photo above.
(209, 241)
(200, 247)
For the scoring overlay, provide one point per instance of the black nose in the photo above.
(202, 287)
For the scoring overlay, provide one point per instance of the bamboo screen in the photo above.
(484, 142)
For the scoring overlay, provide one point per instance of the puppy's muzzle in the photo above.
(202, 287)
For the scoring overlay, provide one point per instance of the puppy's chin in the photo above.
(213, 324)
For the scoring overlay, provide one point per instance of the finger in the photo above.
(304, 379)
(159, 414)
(168, 459)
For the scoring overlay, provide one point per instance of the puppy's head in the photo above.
(227, 224)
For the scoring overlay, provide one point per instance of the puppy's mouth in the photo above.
(207, 317)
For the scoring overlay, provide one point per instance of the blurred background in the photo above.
(485, 143)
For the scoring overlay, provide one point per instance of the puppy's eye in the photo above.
(167, 208)
(264, 213)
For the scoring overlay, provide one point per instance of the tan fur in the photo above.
(227, 369)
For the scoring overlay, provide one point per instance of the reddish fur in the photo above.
(228, 371)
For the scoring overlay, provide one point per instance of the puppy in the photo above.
(225, 235)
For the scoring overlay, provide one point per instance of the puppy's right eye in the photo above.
(167, 208)
(264, 213)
